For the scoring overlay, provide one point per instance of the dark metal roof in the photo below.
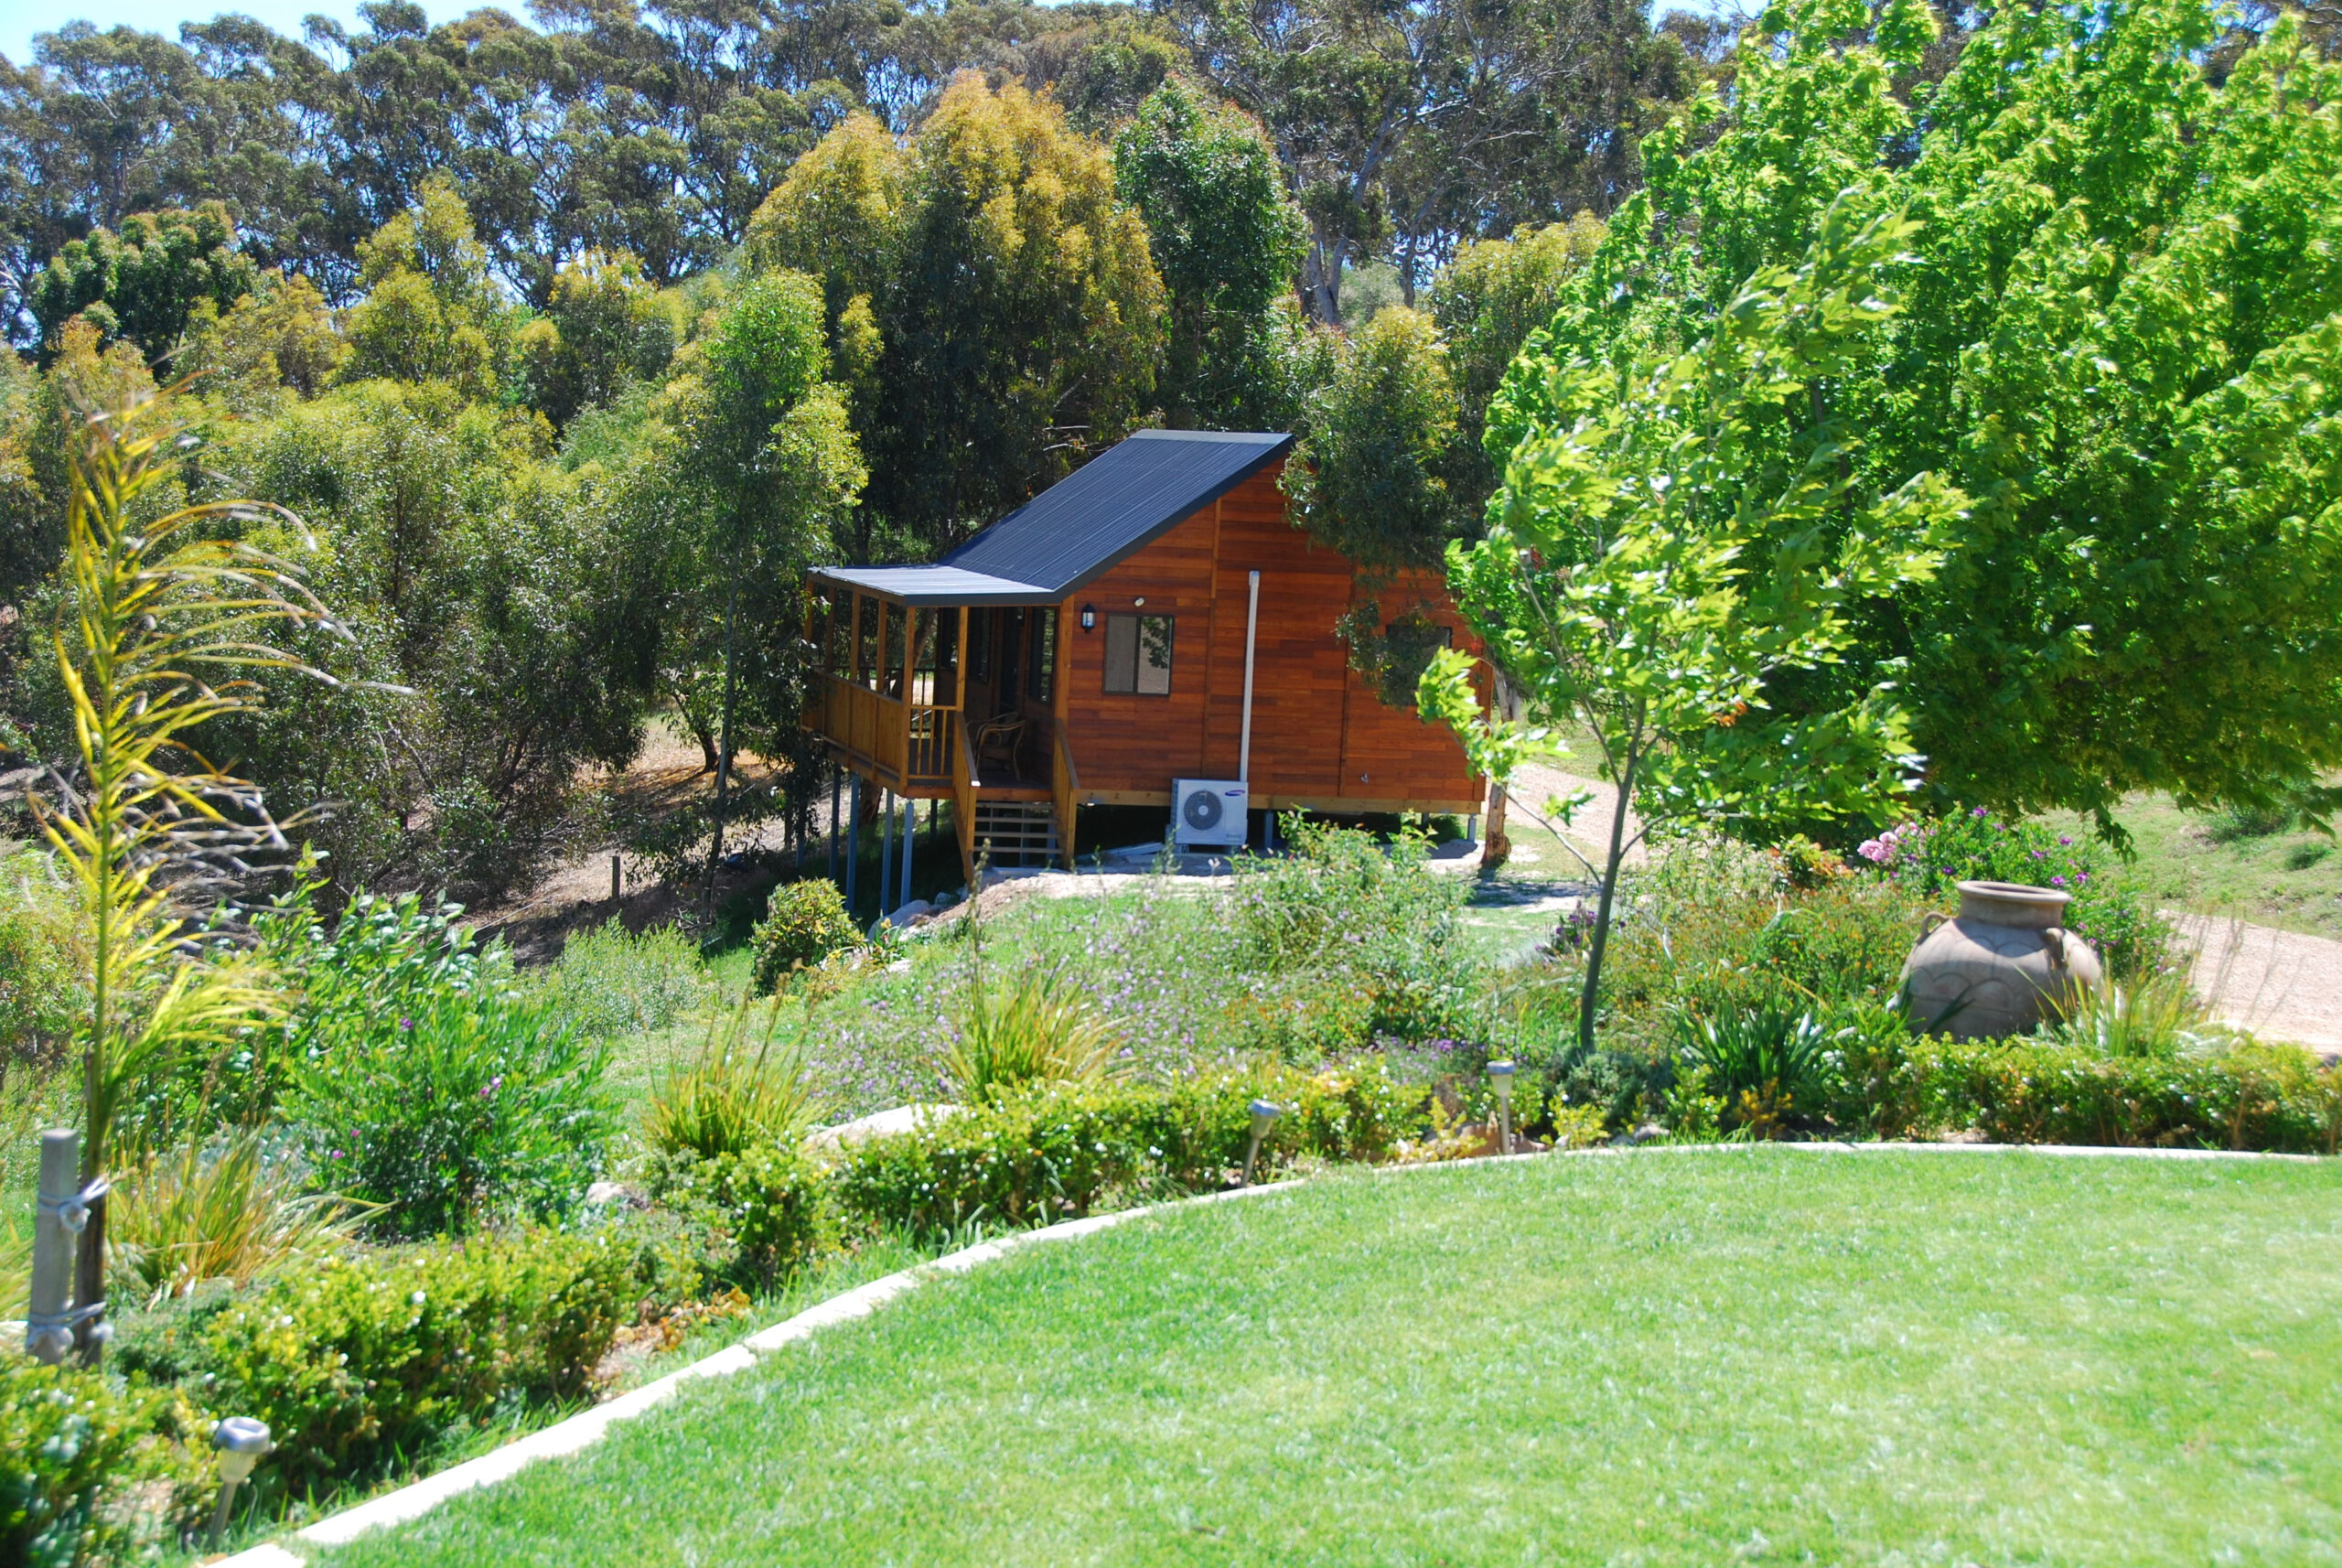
(936, 586)
(1113, 504)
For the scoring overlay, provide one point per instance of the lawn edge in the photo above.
(584, 1430)
(587, 1428)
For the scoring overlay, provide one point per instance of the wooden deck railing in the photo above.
(928, 750)
(1065, 788)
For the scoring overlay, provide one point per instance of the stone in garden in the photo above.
(1999, 966)
(877, 1125)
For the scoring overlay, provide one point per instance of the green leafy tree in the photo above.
(604, 330)
(430, 312)
(2121, 345)
(1013, 319)
(1656, 575)
(1228, 241)
(146, 283)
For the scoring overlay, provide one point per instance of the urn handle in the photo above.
(2053, 938)
(1929, 921)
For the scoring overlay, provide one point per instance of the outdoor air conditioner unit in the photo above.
(1209, 811)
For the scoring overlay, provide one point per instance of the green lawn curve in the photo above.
(1669, 1357)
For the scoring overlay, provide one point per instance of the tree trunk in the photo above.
(1495, 846)
(1601, 941)
(723, 755)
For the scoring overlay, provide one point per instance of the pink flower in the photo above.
(1872, 850)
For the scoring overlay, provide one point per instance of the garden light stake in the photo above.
(241, 1441)
(1500, 1074)
(1264, 1115)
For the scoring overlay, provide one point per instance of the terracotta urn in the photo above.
(1999, 966)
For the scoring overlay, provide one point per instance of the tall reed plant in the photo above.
(745, 1088)
(169, 617)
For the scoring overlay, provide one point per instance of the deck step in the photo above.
(1016, 832)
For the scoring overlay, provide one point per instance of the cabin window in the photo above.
(867, 612)
(898, 626)
(1138, 654)
(837, 631)
(1041, 674)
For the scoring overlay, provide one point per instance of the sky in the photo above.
(20, 19)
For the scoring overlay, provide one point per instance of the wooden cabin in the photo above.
(1155, 616)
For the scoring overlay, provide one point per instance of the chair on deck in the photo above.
(999, 740)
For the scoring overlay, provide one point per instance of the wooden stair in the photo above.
(1016, 832)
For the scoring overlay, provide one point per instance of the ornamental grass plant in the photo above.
(745, 1086)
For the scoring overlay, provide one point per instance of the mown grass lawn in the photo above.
(1693, 1356)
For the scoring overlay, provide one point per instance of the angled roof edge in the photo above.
(935, 585)
(1266, 447)
(1269, 452)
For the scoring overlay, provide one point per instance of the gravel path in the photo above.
(2279, 984)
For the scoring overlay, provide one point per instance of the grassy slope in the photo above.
(2292, 880)
(1659, 1358)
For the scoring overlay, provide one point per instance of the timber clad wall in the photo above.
(1320, 736)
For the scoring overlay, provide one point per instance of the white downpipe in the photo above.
(1251, 626)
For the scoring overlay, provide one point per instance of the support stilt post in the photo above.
(853, 844)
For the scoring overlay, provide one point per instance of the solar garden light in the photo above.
(241, 1441)
(1264, 1116)
(1500, 1074)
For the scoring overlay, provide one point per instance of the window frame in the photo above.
(1140, 662)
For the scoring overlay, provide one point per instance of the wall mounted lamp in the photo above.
(1089, 617)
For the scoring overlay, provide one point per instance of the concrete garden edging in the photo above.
(588, 1427)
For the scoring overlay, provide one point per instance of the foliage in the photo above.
(769, 1204)
(431, 313)
(44, 954)
(365, 1363)
(805, 922)
(2118, 341)
(167, 620)
(1343, 903)
(76, 1450)
(1058, 1151)
(1005, 289)
(1414, 128)
(472, 1107)
(146, 283)
(1770, 1069)
(1304, 1016)
(1037, 1028)
(729, 1099)
(2156, 1017)
(1931, 857)
(1655, 574)
(1228, 240)
(603, 329)
(1370, 478)
(236, 1209)
(608, 982)
(2248, 1096)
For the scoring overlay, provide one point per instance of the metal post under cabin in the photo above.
(852, 842)
(886, 850)
(48, 1331)
(910, 831)
(837, 779)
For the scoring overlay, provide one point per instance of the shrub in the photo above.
(2248, 1096)
(1579, 1127)
(805, 923)
(609, 983)
(230, 1210)
(1771, 1069)
(2109, 911)
(363, 1363)
(1302, 1018)
(78, 1456)
(1038, 1029)
(1059, 1150)
(476, 1107)
(766, 1206)
(44, 957)
(1344, 903)
(729, 1098)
